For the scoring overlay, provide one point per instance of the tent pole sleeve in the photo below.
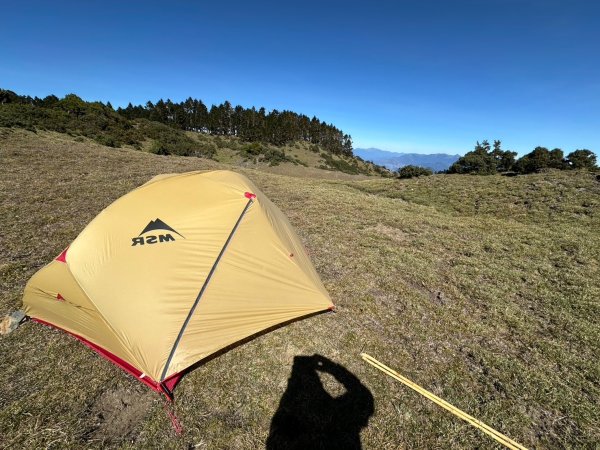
(210, 274)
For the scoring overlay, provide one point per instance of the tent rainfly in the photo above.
(175, 271)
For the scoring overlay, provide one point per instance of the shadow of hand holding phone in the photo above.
(309, 417)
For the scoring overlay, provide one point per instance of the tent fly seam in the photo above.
(204, 286)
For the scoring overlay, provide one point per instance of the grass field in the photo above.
(309, 160)
(484, 290)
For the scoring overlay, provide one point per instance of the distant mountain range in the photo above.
(393, 160)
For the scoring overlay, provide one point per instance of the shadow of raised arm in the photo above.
(309, 417)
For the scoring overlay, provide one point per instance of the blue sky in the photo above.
(414, 76)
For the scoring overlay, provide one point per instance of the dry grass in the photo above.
(482, 289)
(308, 164)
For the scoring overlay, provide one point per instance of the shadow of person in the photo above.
(309, 417)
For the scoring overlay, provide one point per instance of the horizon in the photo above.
(404, 78)
(405, 153)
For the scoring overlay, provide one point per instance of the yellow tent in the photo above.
(175, 271)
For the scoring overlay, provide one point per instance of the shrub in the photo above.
(275, 157)
(540, 158)
(262, 153)
(107, 140)
(253, 149)
(206, 149)
(582, 159)
(477, 162)
(169, 141)
(340, 164)
(158, 148)
(411, 171)
(485, 160)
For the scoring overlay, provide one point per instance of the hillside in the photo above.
(295, 159)
(394, 160)
(244, 137)
(483, 290)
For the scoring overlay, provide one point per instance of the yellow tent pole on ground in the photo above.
(502, 439)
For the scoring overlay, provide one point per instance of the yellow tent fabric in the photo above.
(177, 270)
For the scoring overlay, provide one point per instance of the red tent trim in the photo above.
(166, 387)
(63, 256)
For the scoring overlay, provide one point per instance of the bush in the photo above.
(262, 153)
(206, 149)
(485, 160)
(108, 141)
(340, 164)
(413, 171)
(158, 148)
(253, 149)
(222, 142)
(539, 159)
(582, 159)
(169, 141)
(275, 157)
(477, 162)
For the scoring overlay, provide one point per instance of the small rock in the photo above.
(11, 322)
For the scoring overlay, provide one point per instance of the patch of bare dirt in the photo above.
(391, 232)
(116, 415)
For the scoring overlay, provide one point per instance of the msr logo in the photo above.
(154, 225)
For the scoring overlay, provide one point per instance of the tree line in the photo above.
(488, 159)
(164, 122)
(96, 121)
(249, 124)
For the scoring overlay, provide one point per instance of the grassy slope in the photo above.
(307, 163)
(85, 121)
(482, 289)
